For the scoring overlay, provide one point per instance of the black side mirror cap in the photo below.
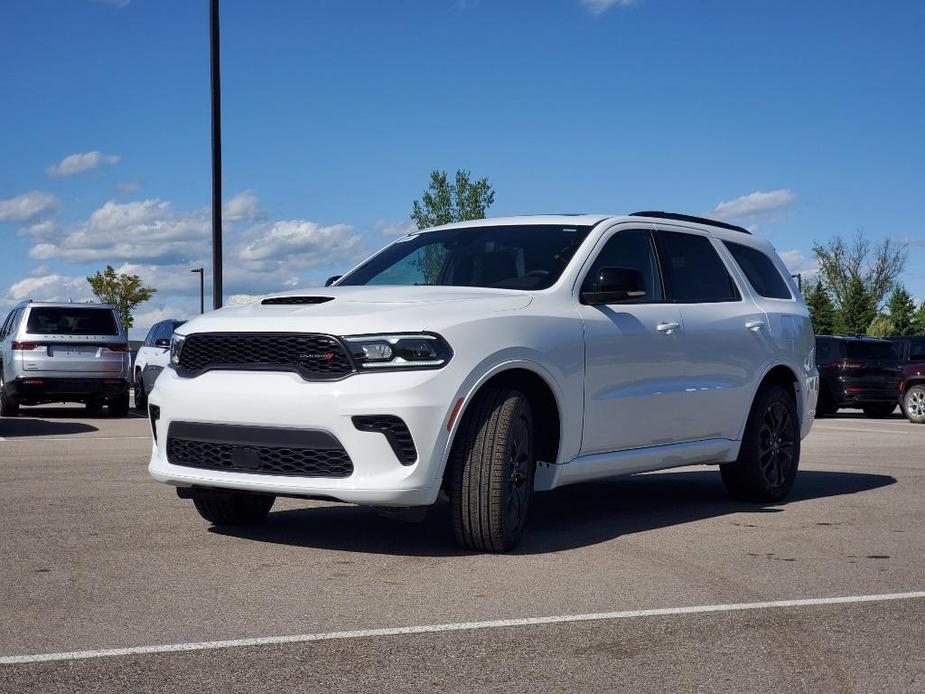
(331, 280)
(162, 343)
(615, 285)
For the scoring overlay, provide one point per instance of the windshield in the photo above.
(48, 320)
(506, 257)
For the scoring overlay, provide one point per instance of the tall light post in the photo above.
(216, 156)
(202, 289)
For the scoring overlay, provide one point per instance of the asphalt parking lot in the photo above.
(97, 557)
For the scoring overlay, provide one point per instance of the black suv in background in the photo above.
(858, 372)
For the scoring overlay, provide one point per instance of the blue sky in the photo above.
(802, 119)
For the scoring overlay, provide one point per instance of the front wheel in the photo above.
(234, 508)
(770, 452)
(141, 398)
(118, 405)
(491, 471)
(880, 410)
(914, 404)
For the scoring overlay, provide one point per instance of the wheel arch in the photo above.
(545, 399)
(776, 374)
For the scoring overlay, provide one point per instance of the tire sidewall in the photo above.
(916, 388)
(749, 455)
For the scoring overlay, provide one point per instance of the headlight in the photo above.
(400, 351)
(176, 345)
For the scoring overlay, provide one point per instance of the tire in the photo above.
(118, 405)
(9, 406)
(880, 410)
(491, 471)
(914, 404)
(234, 508)
(141, 398)
(770, 453)
(825, 407)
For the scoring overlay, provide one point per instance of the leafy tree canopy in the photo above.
(122, 290)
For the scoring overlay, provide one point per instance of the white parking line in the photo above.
(459, 626)
(24, 439)
(850, 430)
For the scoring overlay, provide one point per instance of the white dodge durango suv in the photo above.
(490, 359)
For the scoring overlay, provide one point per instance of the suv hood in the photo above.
(359, 310)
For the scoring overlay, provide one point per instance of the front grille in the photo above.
(395, 431)
(255, 450)
(314, 357)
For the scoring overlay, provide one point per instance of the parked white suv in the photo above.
(152, 358)
(493, 358)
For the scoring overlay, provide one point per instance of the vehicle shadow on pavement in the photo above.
(563, 519)
(19, 427)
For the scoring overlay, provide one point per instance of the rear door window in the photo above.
(917, 349)
(760, 271)
(76, 320)
(693, 270)
(861, 349)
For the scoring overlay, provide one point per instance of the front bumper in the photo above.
(285, 402)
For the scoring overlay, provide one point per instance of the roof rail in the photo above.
(690, 218)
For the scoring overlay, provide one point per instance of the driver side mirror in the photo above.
(331, 280)
(163, 343)
(616, 284)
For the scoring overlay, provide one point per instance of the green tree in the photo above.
(918, 320)
(122, 290)
(821, 309)
(902, 310)
(881, 326)
(842, 262)
(857, 310)
(444, 203)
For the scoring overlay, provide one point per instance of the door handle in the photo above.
(667, 328)
(755, 325)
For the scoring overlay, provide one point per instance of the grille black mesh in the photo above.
(295, 300)
(261, 460)
(315, 357)
(395, 431)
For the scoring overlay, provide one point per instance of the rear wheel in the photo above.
(118, 405)
(770, 452)
(491, 473)
(880, 410)
(914, 404)
(9, 405)
(234, 508)
(141, 398)
(824, 406)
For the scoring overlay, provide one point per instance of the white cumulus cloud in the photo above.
(242, 206)
(601, 6)
(78, 163)
(299, 244)
(754, 205)
(23, 207)
(798, 263)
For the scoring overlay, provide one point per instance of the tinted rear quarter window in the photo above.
(694, 271)
(760, 271)
(50, 320)
(861, 349)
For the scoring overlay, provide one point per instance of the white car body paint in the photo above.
(627, 403)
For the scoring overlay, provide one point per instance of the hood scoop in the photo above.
(295, 300)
